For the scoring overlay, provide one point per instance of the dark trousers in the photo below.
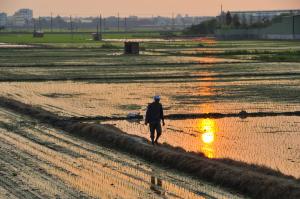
(155, 127)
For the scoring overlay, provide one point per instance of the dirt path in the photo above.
(42, 162)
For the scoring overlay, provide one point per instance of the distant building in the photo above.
(22, 17)
(3, 19)
(133, 17)
(250, 17)
(286, 28)
(87, 20)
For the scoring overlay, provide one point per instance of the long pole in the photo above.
(173, 21)
(104, 23)
(51, 22)
(34, 25)
(152, 18)
(100, 23)
(118, 22)
(293, 26)
(125, 24)
(40, 24)
(71, 26)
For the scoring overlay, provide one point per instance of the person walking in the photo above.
(154, 116)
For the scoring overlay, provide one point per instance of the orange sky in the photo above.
(142, 7)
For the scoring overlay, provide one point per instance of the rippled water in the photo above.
(213, 88)
(206, 96)
(270, 141)
(52, 163)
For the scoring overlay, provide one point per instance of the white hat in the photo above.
(156, 97)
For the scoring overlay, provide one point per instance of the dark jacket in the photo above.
(154, 113)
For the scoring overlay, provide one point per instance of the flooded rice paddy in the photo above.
(41, 162)
(91, 82)
(188, 89)
(270, 141)
(256, 87)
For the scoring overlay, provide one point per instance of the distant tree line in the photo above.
(206, 27)
(229, 21)
(109, 23)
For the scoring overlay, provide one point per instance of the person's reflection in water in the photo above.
(156, 185)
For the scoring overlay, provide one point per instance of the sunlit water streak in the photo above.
(270, 141)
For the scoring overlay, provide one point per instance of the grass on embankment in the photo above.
(288, 56)
(254, 181)
(84, 40)
(260, 55)
(27, 38)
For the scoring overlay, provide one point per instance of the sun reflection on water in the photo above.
(207, 129)
(208, 137)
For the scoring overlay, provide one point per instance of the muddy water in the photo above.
(7, 45)
(269, 141)
(41, 162)
(207, 96)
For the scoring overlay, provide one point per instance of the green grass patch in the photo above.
(279, 58)
(48, 38)
(27, 38)
(130, 107)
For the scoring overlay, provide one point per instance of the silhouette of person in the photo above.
(154, 116)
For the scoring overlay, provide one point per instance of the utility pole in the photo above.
(51, 22)
(40, 23)
(125, 24)
(71, 26)
(293, 26)
(173, 21)
(98, 26)
(152, 19)
(100, 23)
(118, 22)
(34, 25)
(104, 24)
(221, 15)
(221, 8)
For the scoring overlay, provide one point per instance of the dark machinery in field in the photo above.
(98, 35)
(132, 48)
(37, 33)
